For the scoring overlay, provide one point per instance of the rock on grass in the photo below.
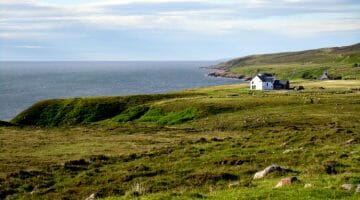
(347, 186)
(270, 169)
(286, 181)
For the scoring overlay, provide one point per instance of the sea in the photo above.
(25, 83)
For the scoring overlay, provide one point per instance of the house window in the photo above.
(253, 87)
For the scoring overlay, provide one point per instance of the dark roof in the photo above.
(266, 78)
(281, 82)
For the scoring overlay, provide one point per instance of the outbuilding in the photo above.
(281, 85)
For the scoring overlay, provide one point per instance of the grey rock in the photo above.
(347, 186)
(286, 181)
(91, 197)
(268, 170)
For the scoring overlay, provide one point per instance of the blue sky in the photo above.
(171, 29)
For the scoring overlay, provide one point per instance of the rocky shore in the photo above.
(226, 74)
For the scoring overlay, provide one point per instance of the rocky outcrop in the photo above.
(270, 169)
(226, 74)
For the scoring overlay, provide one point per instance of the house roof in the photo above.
(265, 78)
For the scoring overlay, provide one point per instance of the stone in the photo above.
(357, 188)
(308, 185)
(233, 184)
(91, 197)
(350, 141)
(347, 186)
(283, 144)
(286, 181)
(268, 170)
(287, 151)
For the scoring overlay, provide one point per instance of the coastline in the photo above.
(226, 74)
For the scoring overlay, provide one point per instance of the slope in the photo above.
(340, 62)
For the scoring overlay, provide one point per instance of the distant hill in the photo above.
(341, 62)
(4, 123)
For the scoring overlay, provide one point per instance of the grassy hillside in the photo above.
(55, 112)
(204, 143)
(340, 62)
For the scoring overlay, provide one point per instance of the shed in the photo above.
(281, 85)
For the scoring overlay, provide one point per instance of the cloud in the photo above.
(20, 35)
(287, 17)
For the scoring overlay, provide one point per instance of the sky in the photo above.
(110, 30)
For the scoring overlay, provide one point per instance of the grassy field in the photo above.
(203, 143)
(338, 62)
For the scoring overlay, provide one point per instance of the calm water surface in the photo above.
(24, 83)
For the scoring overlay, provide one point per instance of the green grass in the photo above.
(310, 64)
(178, 117)
(131, 114)
(294, 71)
(189, 145)
(57, 112)
(152, 115)
(158, 115)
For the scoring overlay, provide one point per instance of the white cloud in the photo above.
(16, 1)
(20, 35)
(40, 18)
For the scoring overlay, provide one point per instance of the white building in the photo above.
(262, 82)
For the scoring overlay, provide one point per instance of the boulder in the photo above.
(357, 188)
(91, 197)
(268, 170)
(347, 186)
(286, 181)
(308, 185)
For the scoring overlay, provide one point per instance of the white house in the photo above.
(262, 82)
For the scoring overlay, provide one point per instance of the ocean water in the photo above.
(24, 83)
